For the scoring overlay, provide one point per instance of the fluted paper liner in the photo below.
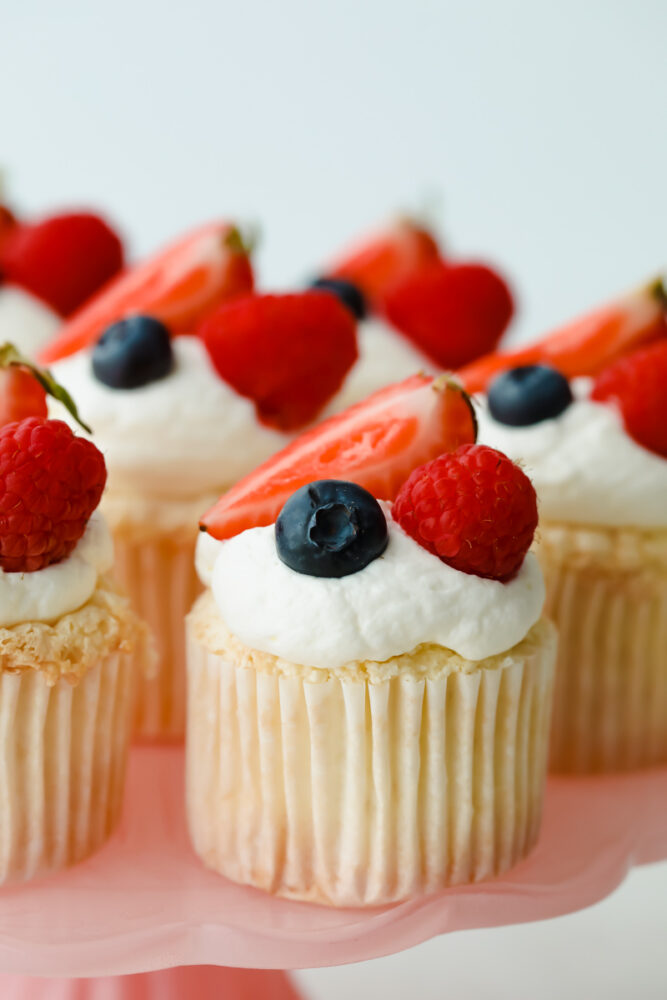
(607, 593)
(350, 792)
(63, 751)
(159, 576)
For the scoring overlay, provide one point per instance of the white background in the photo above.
(536, 135)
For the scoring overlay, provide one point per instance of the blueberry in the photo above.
(133, 352)
(352, 297)
(528, 394)
(330, 528)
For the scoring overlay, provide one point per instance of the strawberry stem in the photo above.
(658, 290)
(10, 357)
(243, 241)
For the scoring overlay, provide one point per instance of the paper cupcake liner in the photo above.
(63, 752)
(607, 593)
(159, 577)
(349, 792)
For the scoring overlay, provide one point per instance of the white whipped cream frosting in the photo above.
(46, 594)
(584, 465)
(404, 598)
(183, 435)
(191, 433)
(385, 356)
(25, 321)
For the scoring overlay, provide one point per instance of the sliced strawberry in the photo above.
(63, 259)
(8, 225)
(379, 262)
(587, 345)
(288, 353)
(376, 444)
(453, 313)
(636, 384)
(179, 286)
(20, 396)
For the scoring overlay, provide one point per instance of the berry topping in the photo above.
(288, 353)
(50, 483)
(63, 260)
(330, 528)
(350, 295)
(178, 286)
(8, 223)
(379, 262)
(453, 313)
(637, 384)
(375, 444)
(132, 353)
(20, 396)
(528, 394)
(588, 344)
(474, 508)
(24, 388)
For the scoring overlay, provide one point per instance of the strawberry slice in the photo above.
(376, 443)
(586, 345)
(8, 225)
(20, 396)
(179, 286)
(379, 262)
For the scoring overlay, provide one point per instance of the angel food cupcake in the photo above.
(596, 451)
(416, 311)
(66, 644)
(185, 396)
(369, 686)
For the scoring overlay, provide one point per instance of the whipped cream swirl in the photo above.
(584, 465)
(404, 598)
(47, 594)
(25, 321)
(385, 356)
(180, 436)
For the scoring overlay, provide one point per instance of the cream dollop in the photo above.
(191, 433)
(584, 465)
(47, 594)
(183, 435)
(385, 356)
(25, 321)
(404, 598)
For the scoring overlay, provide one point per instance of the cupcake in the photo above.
(369, 685)
(596, 451)
(66, 652)
(49, 268)
(186, 393)
(416, 311)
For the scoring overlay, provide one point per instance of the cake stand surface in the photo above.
(145, 903)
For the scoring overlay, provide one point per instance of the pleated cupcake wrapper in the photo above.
(63, 752)
(160, 579)
(352, 793)
(610, 699)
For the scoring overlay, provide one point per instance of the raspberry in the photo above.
(473, 508)
(50, 483)
(62, 260)
(452, 312)
(637, 384)
(288, 353)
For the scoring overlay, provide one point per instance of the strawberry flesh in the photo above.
(376, 444)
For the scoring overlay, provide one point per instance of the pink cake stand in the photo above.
(143, 920)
